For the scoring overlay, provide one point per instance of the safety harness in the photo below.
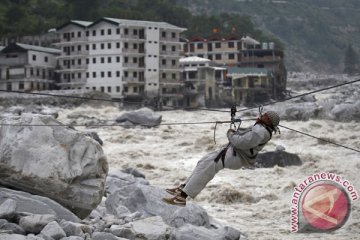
(222, 153)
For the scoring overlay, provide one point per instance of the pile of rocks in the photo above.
(56, 185)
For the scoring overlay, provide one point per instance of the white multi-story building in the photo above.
(125, 58)
(26, 67)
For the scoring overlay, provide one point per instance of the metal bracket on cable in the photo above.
(232, 122)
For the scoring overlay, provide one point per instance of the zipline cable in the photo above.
(173, 124)
(302, 95)
(184, 108)
(321, 139)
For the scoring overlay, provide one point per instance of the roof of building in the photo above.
(128, 22)
(241, 72)
(82, 24)
(193, 59)
(249, 40)
(26, 47)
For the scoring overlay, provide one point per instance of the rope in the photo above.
(185, 108)
(321, 139)
(173, 124)
(302, 95)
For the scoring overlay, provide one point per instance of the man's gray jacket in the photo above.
(248, 142)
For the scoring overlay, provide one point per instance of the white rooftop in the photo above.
(83, 23)
(193, 59)
(127, 22)
(250, 40)
(38, 48)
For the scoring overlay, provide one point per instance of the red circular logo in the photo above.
(326, 206)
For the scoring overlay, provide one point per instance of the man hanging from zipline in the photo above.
(241, 151)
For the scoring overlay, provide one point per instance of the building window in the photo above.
(117, 89)
(164, 75)
(21, 85)
(135, 46)
(126, 31)
(117, 59)
(87, 74)
(117, 73)
(102, 46)
(109, 89)
(173, 35)
(34, 57)
(94, 74)
(163, 47)
(102, 74)
(72, 48)
(135, 74)
(79, 75)
(231, 44)
(173, 48)
(79, 34)
(173, 76)
(94, 60)
(218, 56)
(118, 31)
(173, 62)
(109, 31)
(109, 74)
(126, 45)
(94, 32)
(117, 45)
(126, 73)
(218, 45)
(134, 60)
(72, 34)
(135, 32)
(135, 89)
(126, 59)
(102, 89)
(109, 45)
(87, 47)
(79, 47)
(210, 57)
(46, 59)
(94, 88)
(87, 33)
(79, 61)
(31, 71)
(87, 61)
(163, 62)
(126, 89)
(109, 59)
(163, 34)
(231, 56)
(102, 60)
(102, 32)
(200, 46)
(72, 62)
(94, 46)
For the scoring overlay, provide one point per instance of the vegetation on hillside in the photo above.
(24, 17)
(315, 33)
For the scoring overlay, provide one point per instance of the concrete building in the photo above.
(249, 85)
(202, 82)
(244, 52)
(220, 50)
(25, 67)
(128, 59)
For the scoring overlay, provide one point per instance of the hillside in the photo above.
(315, 33)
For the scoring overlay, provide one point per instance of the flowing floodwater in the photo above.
(255, 201)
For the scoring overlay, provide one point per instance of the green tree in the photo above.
(351, 60)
